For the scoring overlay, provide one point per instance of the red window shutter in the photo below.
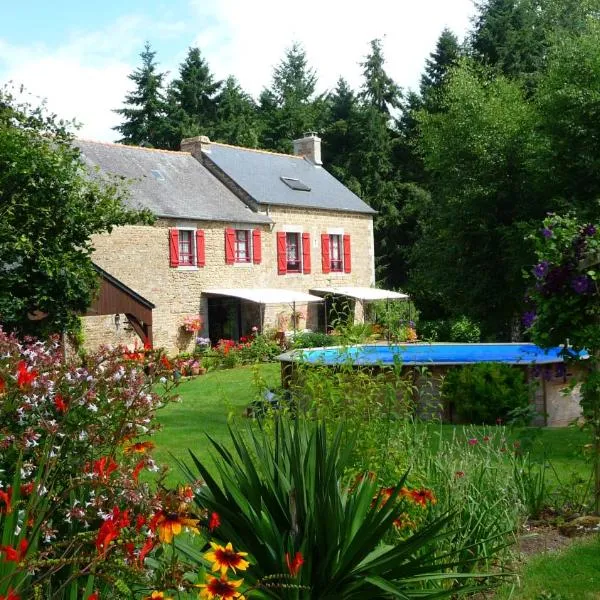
(347, 255)
(256, 247)
(306, 253)
(200, 252)
(281, 253)
(229, 246)
(325, 262)
(174, 247)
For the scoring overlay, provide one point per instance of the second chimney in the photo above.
(195, 145)
(309, 146)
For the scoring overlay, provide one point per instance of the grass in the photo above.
(207, 404)
(572, 573)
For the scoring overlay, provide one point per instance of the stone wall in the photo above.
(139, 257)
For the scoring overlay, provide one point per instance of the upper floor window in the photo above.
(186, 247)
(336, 256)
(294, 260)
(242, 245)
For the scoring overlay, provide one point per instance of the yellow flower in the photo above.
(221, 588)
(170, 524)
(224, 558)
(158, 596)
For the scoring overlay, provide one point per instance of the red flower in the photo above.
(24, 376)
(147, 547)
(5, 498)
(111, 528)
(137, 469)
(26, 488)
(473, 441)
(165, 362)
(486, 438)
(60, 404)
(11, 595)
(422, 497)
(140, 521)
(94, 596)
(459, 474)
(14, 555)
(2, 385)
(294, 564)
(104, 466)
(214, 521)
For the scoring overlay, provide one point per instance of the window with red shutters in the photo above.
(242, 246)
(174, 247)
(281, 254)
(306, 253)
(200, 248)
(186, 248)
(229, 246)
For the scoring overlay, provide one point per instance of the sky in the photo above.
(78, 55)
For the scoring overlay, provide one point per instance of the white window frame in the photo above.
(192, 230)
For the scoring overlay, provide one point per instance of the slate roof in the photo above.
(259, 174)
(170, 184)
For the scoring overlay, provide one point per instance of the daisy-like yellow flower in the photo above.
(158, 596)
(224, 558)
(170, 524)
(221, 588)
(139, 448)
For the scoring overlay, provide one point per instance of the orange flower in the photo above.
(15, 555)
(170, 524)
(157, 596)
(221, 588)
(139, 448)
(294, 564)
(137, 469)
(422, 497)
(225, 558)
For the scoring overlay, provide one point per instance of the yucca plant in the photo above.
(312, 534)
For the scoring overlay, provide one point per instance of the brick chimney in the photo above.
(309, 146)
(195, 145)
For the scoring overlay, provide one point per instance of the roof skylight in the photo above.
(157, 175)
(295, 184)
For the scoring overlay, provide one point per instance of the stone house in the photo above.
(243, 238)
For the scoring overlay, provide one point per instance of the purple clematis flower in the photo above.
(589, 230)
(580, 284)
(547, 233)
(540, 269)
(528, 318)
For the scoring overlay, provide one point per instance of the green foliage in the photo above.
(485, 392)
(461, 329)
(45, 230)
(314, 339)
(287, 493)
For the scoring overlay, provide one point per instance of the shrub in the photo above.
(486, 392)
(315, 534)
(460, 330)
(314, 339)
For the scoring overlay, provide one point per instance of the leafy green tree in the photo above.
(144, 112)
(49, 209)
(288, 108)
(477, 152)
(192, 100)
(236, 119)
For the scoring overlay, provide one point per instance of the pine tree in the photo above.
(236, 118)
(287, 108)
(379, 89)
(446, 55)
(144, 111)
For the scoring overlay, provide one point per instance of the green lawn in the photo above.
(207, 403)
(573, 573)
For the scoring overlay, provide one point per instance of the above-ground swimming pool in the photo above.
(428, 354)
(545, 367)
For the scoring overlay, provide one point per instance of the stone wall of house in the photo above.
(139, 257)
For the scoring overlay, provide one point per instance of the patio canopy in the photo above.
(264, 295)
(361, 293)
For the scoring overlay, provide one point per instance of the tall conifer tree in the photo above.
(144, 111)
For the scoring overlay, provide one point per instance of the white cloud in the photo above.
(249, 38)
(86, 76)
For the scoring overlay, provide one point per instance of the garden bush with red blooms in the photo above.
(76, 518)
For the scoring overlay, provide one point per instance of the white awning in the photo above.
(361, 293)
(264, 295)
